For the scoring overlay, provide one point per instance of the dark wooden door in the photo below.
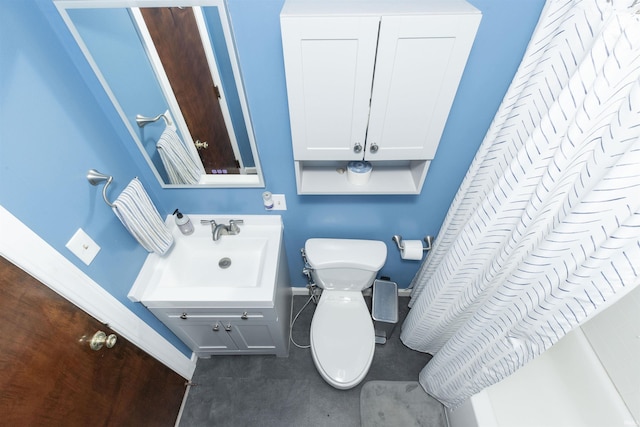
(175, 35)
(50, 377)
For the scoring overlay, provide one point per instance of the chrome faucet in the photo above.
(218, 230)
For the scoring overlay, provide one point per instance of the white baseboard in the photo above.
(182, 405)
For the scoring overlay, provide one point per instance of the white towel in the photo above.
(140, 217)
(180, 165)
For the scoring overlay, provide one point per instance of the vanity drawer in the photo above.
(190, 316)
(207, 315)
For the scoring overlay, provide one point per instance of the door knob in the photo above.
(100, 339)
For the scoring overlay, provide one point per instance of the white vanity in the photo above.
(371, 80)
(229, 296)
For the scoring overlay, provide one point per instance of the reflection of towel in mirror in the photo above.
(181, 167)
(140, 217)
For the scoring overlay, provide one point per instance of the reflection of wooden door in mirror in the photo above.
(175, 35)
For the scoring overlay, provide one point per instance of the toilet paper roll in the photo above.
(412, 249)
(358, 173)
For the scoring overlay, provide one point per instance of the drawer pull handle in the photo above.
(244, 316)
(216, 327)
(227, 327)
(183, 316)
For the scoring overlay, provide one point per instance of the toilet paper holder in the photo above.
(427, 239)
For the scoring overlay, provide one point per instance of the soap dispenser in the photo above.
(183, 222)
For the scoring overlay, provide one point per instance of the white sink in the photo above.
(229, 262)
(201, 272)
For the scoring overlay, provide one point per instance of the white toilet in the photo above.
(342, 334)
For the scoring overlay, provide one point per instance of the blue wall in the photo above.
(55, 124)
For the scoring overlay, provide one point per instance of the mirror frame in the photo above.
(209, 180)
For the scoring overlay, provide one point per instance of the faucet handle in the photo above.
(233, 225)
(208, 222)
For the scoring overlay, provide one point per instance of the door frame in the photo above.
(23, 247)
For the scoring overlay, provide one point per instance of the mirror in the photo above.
(170, 70)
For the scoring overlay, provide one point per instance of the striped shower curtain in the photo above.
(544, 231)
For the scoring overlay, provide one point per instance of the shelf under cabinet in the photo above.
(391, 177)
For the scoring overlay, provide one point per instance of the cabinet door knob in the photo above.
(374, 148)
(227, 327)
(357, 147)
(244, 316)
(183, 316)
(216, 327)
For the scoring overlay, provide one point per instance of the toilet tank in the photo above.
(345, 264)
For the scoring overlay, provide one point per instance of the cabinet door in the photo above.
(205, 338)
(329, 69)
(419, 64)
(252, 335)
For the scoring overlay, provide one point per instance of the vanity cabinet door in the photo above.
(329, 65)
(207, 338)
(253, 335)
(203, 333)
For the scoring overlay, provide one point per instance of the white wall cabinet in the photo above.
(371, 80)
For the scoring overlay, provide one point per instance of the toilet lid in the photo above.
(342, 335)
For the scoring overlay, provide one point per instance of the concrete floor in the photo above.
(270, 391)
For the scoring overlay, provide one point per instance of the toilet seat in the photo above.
(342, 338)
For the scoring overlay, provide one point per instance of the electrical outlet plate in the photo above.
(279, 202)
(83, 246)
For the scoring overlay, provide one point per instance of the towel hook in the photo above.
(96, 178)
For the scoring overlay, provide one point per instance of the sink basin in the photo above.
(198, 270)
(232, 261)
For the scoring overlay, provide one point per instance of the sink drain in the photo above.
(224, 262)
